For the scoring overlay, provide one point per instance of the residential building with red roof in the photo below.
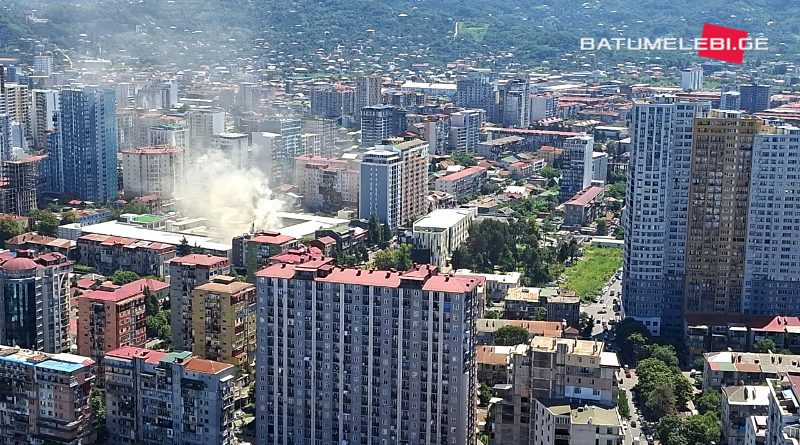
(407, 333)
(153, 396)
(110, 317)
(186, 273)
(35, 293)
(462, 183)
(108, 253)
(46, 397)
(39, 243)
(584, 207)
(252, 251)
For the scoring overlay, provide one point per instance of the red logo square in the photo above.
(721, 43)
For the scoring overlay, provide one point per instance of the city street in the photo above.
(603, 309)
(630, 432)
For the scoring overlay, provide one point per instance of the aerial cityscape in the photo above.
(439, 222)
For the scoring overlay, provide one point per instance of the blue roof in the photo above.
(56, 365)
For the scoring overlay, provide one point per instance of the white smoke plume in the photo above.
(234, 199)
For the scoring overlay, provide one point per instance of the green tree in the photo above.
(121, 277)
(693, 430)
(708, 401)
(550, 172)
(661, 401)
(9, 228)
(602, 227)
(151, 304)
(183, 248)
(493, 315)
(764, 345)
(383, 259)
(374, 229)
(510, 335)
(464, 159)
(623, 404)
(398, 258)
(158, 326)
(97, 402)
(665, 353)
(403, 257)
(638, 345)
(46, 222)
(485, 394)
(489, 188)
(540, 314)
(586, 325)
(69, 218)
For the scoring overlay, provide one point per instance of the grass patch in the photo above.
(471, 31)
(588, 276)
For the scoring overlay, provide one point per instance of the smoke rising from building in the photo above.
(235, 199)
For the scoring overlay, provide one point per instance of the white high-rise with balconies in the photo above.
(656, 210)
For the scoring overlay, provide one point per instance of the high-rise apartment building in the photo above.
(111, 317)
(311, 144)
(543, 106)
(18, 104)
(20, 192)
(327, 184)
(576, 166)
(334, 101)
(35, 310)
(772, 269)
(435, 129)
(380, 189)
(157, 397)
(656, 207)
(358, 356)
(167, 135)
(465, 130)
(224, 322)
(233, 146)
(394, 182)
(46, 398)
(730, 100)
(692, 78)
(379, 122)
(202, 125)
(152, 171)
(754, 98)
(5, 137)
(82, 158)
(325, 129)
(368, 93)
(290, 129)
(716, 232)
(185, 274)
(476, 91)
(512, 103)
(43, 64)
(43, 113)
(413, 179)
(267, 156)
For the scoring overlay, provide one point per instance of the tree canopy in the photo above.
(663, 389)
(9, 228)
(121, 277)
(510, 335)
(398, 258)
(702, 429)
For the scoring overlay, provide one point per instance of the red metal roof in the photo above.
(198, 259)
(585, 196)
(271, 238)
(463, 174)
(130, 352)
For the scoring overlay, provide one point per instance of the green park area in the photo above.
(588, 276)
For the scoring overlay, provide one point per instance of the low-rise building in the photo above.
(584, 207)
(487, 326)
(497, 285)
(492, 364)
(108, 253)
(564, 306)
(577, 371)
(463, 183)
(729, 368)
(531, 303)
(706, 333)
(39, 243)
(439, 233)
(157, 397)
(756, 430)
(494, 148)
(739, 404)
(525, 168)
(45, 398)
(558, 422)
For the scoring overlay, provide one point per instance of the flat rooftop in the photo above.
(444, 218)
